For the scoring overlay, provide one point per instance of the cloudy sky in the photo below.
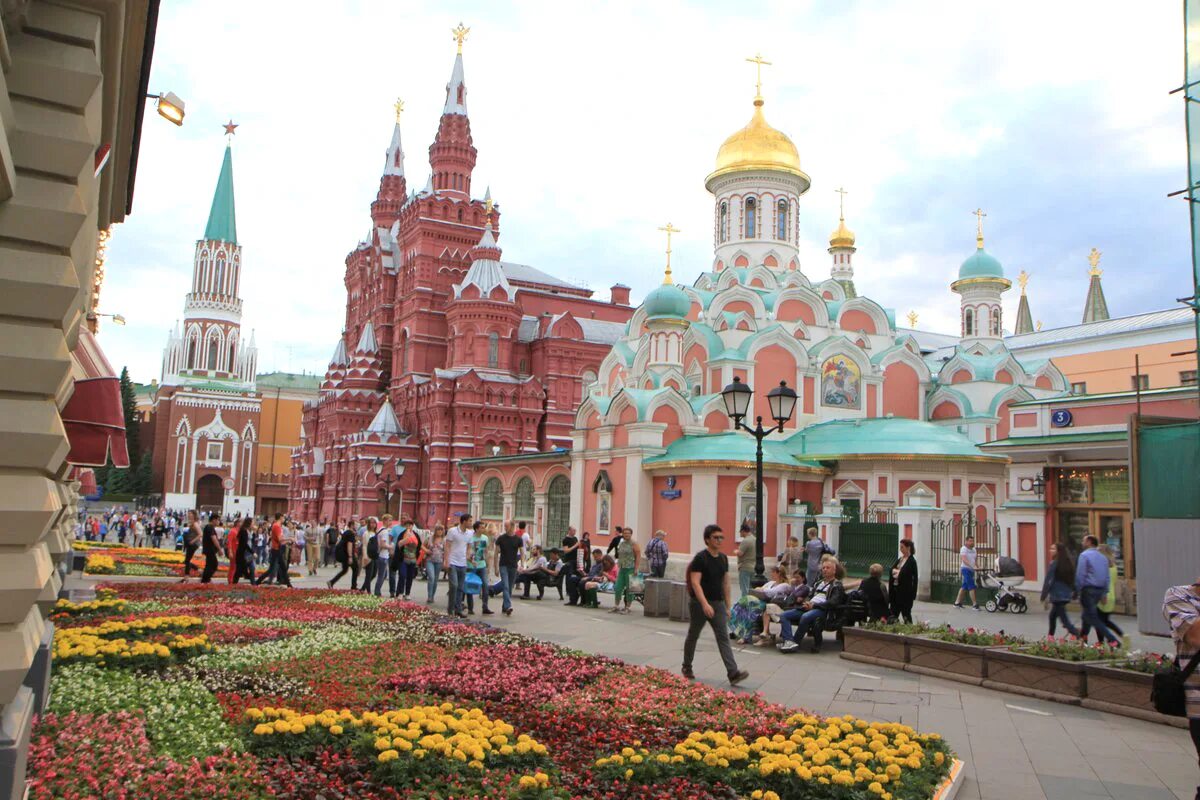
(597, 122)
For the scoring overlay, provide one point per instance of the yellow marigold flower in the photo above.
(475, 764)
(336, 730)
(875, 787)
(527, 782)
(628, 774)
(939, 759)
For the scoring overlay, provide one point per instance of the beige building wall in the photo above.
(70, 82)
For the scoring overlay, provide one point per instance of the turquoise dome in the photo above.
(667, 302)
(980, 264)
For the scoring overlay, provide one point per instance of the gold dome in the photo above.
(758, 146)
(842, 237)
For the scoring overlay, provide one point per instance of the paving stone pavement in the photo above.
(1014, 747)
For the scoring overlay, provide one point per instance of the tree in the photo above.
(132, 419)
(143, 477)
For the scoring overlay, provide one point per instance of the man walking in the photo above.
(313, 547)
(708, 592)
(814, 548)
(457, 540)
(211, 546)
(383, 563)
(966, 570)
(275, 544)
(478, 556)
(1091, 581)
(657, 554)
(508, 558)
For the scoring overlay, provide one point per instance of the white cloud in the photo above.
(596, 123)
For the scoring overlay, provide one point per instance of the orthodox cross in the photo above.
(229, 127)
(460, 35)
(912, 319)
(1022, 279)
(841, 202)
(979, 215)
(399, 106)
(1094, 263)
(758, 63)
(668, 229)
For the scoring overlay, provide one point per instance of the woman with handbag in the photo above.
(1181, 607)
(902, 583)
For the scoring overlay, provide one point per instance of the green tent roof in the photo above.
(729, 447)
(222, 223)
(882, 436)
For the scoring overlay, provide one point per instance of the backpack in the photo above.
(826, 550)
(373, 547)
(857, 608)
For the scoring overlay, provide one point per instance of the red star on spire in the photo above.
(230, 127)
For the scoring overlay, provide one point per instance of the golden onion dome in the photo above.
(758, 146)
(842, 237)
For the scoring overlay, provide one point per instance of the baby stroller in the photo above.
(1004, 579)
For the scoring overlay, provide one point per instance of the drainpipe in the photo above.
(466, 483)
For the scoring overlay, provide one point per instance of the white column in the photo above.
(829, 523)
(916, 522)
(577, 491)
(704, 508)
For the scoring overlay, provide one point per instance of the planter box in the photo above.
(1120, 691)
(961, 662)
(875, 647)
(1036, 676)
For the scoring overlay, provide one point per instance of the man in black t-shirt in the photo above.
(210, 545)
(508, 558)
(709, 603)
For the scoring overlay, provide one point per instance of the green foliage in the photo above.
(132, 420)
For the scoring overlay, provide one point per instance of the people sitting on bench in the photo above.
(821, 612)
(531, 567)
(604, 580)
(548, 574)
(578, 577)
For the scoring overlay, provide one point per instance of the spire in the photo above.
(394, 165)
(456, 89)
(1095, 308)
(339, 354)
(222, 223)
(385, 421)
(486, 272)
(366, 341)
(1024, 317)
(668, 229)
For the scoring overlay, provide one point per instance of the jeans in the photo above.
(283, 562)
(407, 574)
(1058, 612)
(382, 576)
(346, 567)
(744, 578)
(1089, 598)
(483, 592)
(457, 576)
(210, 567)
(369, 574)
(272, 569)
(658, 570)
(1108, 623)
(508, 579)
(432, 570)
(574, 584)
(804, 623)
(696, 623)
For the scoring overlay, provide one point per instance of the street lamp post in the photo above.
(398, 472)
(782, 401)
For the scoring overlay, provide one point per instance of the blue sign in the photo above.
(672, 494)
(1060, 418)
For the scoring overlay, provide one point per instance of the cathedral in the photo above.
(448, 351)
(887, 418)
(206, 407)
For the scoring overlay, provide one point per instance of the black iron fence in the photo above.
(947, 538)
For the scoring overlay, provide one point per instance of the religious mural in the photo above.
(841, 383)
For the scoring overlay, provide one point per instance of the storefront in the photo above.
(1092, 500)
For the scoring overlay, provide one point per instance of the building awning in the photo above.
(94, 418)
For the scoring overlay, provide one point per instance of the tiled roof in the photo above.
(1108, 327)
(528, 274)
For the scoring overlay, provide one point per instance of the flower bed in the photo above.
(885, 644)
(955, 653)
(1051, 669)
(1124, 686)
(309, 694)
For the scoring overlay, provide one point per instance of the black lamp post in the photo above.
(388, 480)
(782, 401)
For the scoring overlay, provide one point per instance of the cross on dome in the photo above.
(668, 229)
(979, 215)
(758, 63)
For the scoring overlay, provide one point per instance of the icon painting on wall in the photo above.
(841, 383)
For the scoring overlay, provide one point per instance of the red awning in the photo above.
(87, 481)
(94, 419)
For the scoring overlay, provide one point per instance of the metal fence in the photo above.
(869, 537)
(946, 540)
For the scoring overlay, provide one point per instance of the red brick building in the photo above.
(448, 351)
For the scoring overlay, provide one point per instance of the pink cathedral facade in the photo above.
(448, 351)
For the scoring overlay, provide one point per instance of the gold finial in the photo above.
(1022, 279)
(460, 35)
(979, 215)
(669, 229)
(841, 203)
(1094, 263)
(912, 319)
(758, 62)
(399, 106)
(1039, 324)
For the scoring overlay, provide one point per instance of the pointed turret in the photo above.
(841, 248)
(363, 371)
(486, 272)
(393, 188)
(1024, 317)
(980, 284)
(1095, 308)
(222, 221)
(385, 422)
(452, 154)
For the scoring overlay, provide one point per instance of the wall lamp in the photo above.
(169, 107)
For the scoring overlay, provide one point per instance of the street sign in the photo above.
(1061, 418)
(227, 483)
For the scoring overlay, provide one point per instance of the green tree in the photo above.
(132, 419)
(143, 476)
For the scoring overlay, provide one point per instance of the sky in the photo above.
(596, 123)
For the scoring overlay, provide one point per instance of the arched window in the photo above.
(523, 499)
(588, 378)
(969, 322)
(231, 365)
(781, 220)
(493, 501)
(212, 354)
(751, 208)
(995, 317)
(217, 284)
(460, 215)
(724, 223)
(191, 356)
(558, 509)
(493, 350)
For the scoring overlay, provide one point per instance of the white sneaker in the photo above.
(788, 647)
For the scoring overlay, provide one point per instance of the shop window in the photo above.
(1187, 377)
(1074, 487)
